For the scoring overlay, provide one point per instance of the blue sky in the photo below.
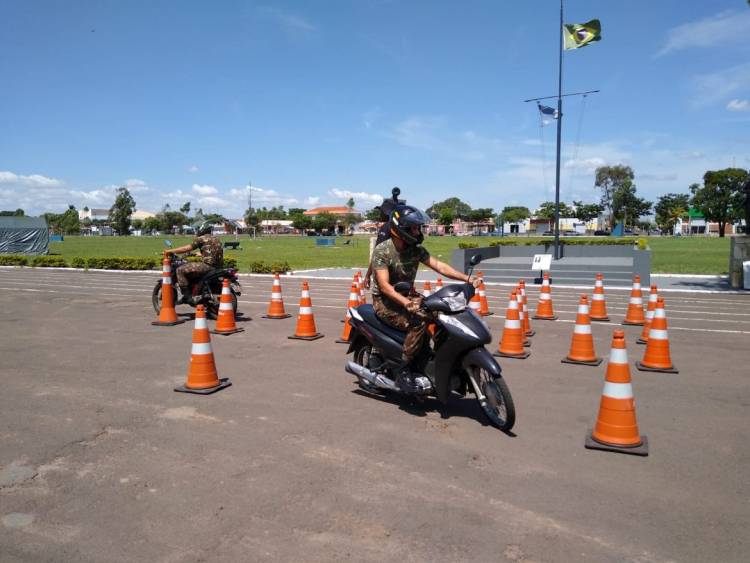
(313, 102)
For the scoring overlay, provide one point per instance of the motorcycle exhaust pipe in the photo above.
(372, 378)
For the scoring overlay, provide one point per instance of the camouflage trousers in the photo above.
(415, 326)
(191, 270)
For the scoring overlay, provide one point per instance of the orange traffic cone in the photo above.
(598, 303)
(582, 345)
(522, 318)
(439, 283)
(544, 309)
(657, 357)
(202, 377)
(225, 319)
(616, 427)
(484, 308)
(427, 288)
(353, 303)
(525, 308)
(634, 316)
(306, 320)
(511, 345)
(652, 297)
(475, 304)
(276, 306)
(167, 314)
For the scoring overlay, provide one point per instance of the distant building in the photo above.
(694, 223)
(333, 210)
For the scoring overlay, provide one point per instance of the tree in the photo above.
(458, 208)
(480, 214)
(514, 214)
(587, 211)
(669, 208)
(185, 209)
(151, 224)
(350, 204)
(610, 179)
(324, 222)
(300, 221)
(168, 220)
(137, 224)
(627, 207)
(295, 211)
(721, 199)
(446, 217)
(69, 223)
(17, 213)
(251, 218)
(121, 210)
(547, 210)
(372, 214)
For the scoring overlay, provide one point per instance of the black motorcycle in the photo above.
(205, 290)
(458, 361)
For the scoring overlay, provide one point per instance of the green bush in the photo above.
(13, 260)
(468, 245)
(259, 267)
(49, 262)
(77, 262)
(122, 263)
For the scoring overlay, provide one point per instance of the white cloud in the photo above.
(95, 197)
(357, 196)
(263, 197)
(724, 27)
(720, 85)
(192, 169)
(216, 202)
(312, 200)
(135, 185)
(204, 190)
(32, 181)
(288, 20)
(738, 105)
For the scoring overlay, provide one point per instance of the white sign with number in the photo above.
(541, 262)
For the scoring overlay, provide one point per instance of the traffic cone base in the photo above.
(594, 362)
(172, 323)
(284, 316)
(601, 320)
(593, 444)
(641, 367)
(530, 333)
(641, 341)
(313, 337)
(525, 354)
(538, 318)
(633, 323)
(227, 332)
(223, 383)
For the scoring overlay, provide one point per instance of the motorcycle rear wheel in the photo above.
(497, 404)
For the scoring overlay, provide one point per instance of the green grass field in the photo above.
(689, 255)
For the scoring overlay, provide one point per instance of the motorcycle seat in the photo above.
(367, 312)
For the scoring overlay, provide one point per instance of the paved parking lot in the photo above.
(102, 461)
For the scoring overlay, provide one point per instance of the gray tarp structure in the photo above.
(23, 235)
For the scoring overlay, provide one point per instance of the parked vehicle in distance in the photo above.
(601, 233)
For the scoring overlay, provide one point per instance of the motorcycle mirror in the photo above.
(168, 243)
(476, 259)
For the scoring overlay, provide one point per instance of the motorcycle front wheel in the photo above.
(494, 398)
(156, 297)
(362, 356)
(212, 306)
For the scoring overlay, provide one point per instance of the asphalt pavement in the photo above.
(102, 461)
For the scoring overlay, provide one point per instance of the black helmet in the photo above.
(389, 203)
(403, 218)
(202, 228)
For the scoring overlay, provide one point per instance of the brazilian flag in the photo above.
(577, 35)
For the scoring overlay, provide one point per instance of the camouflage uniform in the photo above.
(402, 267)
(212, 254)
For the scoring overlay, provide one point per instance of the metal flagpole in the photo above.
(559, 135)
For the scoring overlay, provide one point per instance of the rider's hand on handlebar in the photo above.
(413, 305)
(475, 281)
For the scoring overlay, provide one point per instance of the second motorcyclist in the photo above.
(396, 260)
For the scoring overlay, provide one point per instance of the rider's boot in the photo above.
(187, 298)
(405, 379)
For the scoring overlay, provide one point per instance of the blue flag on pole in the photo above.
(547, 114)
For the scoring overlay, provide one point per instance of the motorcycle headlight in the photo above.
(455, 302)
(454, 322)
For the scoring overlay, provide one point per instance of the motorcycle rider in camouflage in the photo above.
(397, 260)
(212, 255)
